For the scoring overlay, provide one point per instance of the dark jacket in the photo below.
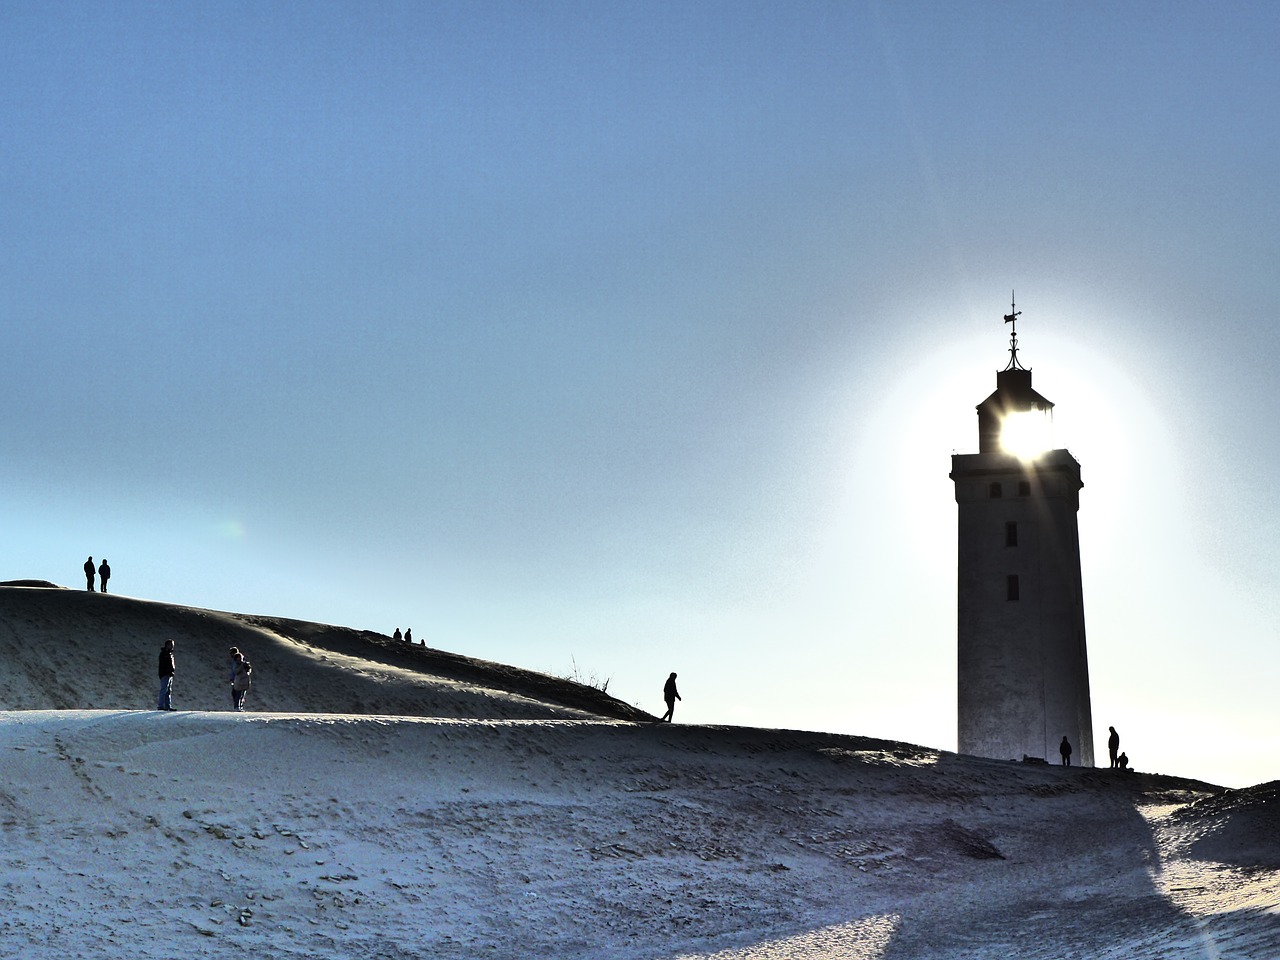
(669, 692)
(166, 663)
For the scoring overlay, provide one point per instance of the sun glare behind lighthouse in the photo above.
(1027, 434)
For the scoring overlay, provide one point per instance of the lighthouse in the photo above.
(1022, 667)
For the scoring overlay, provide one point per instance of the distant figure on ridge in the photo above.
(1113, 746)
(241, 681)
(1064, 748)
(396, 636)
(408, 635)
(232, 655)
(164, 701)
(671, 695)
(88, 574)
(104, 574)
(1123, 762)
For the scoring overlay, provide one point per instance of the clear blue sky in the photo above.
(640, 335)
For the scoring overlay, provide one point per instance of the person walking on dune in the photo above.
(1113, 746)
(241, 681)
(1064, 748)
(104, 574)
(164, 700)
(671, 695)
(88, 574)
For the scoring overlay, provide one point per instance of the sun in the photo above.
(1026, 434)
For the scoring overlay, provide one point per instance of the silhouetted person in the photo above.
(104, 574)
(1123, 761)
(1113, 745)
(88, 574)
(233, 654)
(408, 635)
(396, 635)
(1064, 748)
(671, 695)
(241, 681)
(164, 700)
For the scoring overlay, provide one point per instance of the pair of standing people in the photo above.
(240, 677)
(104, 574)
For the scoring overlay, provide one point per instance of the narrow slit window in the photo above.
(1011, 534)
(1011, 587)
(994, 491)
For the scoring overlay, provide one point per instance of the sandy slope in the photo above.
(67, 649)
(149, 835)
(514, 827)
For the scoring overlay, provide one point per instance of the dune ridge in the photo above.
(70, 649)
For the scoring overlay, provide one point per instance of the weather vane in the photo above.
(1012, 317)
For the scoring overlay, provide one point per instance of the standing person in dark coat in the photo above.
(1113, 746)
(241, 682)
(408, 635)
(1064, 748)
(671, 695)
(88, 574)
(104, 574)
(164, 701)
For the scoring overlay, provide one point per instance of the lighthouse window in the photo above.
(1011, 534)
(994, 491)
(1024, 488)
(1011, 587)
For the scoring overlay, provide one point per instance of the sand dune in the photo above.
(71, 649)
(510, 826)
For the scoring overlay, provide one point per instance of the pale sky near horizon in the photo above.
(638, 337)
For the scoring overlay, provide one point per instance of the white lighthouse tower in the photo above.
(1023, 672)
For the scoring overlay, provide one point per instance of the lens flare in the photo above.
(1027, 434)
(231, 529)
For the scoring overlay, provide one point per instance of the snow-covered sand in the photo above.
(541, 831)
